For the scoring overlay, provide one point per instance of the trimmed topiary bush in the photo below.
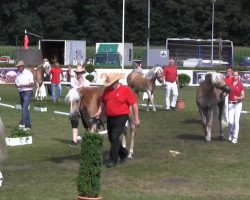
(88, 181)
(184, 80)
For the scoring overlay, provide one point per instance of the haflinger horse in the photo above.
(2, 148)
(210, 97)
(147, 84)
(87, 100)
(38, 74)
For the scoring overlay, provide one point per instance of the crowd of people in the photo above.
(118, 100)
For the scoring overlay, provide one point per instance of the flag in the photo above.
(26, 41)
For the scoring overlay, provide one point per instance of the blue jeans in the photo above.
(53, 87)
(25, 97)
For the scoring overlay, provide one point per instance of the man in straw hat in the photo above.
(24, 83)
(77, 82)
(116, 102)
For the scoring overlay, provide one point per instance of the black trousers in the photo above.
(115, 126)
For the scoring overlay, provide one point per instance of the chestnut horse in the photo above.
(87, 100)
(2, 147)
(139, 83)
(209, 97)
(38, 74)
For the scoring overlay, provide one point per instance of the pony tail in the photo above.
(2, 142)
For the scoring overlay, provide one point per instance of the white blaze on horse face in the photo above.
(73, 98)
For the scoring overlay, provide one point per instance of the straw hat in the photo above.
(111, 78)
(20, 63)
(79, 69)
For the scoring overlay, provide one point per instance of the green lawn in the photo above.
(47, 169)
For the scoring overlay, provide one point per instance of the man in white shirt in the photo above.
(24, 83)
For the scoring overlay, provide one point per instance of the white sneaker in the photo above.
(20, 126)
(234, 140)
(230, 137)
(26, 129)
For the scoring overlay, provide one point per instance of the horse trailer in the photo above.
(66, 52)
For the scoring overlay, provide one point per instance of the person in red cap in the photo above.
(24, 83)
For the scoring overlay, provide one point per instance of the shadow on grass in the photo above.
(190, 137)
(192, 121)
(62, 159)
(62, 140)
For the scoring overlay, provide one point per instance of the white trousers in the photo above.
(234, 111)
(168, 88)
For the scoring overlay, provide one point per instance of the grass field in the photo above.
(47, 169)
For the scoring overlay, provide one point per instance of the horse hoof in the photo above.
(130, 155)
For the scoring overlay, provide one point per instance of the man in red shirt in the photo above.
(56, 76)
(171, 84)
(116, 102)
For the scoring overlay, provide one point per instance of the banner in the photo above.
(26, 42)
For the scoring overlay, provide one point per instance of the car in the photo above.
(245, 61)
(4, 59)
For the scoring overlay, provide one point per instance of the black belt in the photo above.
(234, 102)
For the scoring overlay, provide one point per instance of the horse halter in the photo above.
(91, 120)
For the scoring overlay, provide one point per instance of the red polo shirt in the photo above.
(55, 73)
(117, 101)
(235, 90)
(170, 73)
(228, 79)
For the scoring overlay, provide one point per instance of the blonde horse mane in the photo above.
(2, 141)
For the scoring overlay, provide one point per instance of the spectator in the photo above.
(171, 84)
(70, 74)
(228, 79)
(137, 68)
(235, 98)
(116, 102)
(56, 77)
(77, 82)
(46, 78)
(24, 83)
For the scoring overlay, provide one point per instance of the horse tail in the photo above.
(2, 142)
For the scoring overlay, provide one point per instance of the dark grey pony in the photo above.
(209, 97)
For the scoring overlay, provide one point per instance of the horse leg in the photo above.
(209, 122)
(203, 121)
(222, 123)
(132, 140)
(150, 98)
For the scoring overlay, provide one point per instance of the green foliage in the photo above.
(183, 80)
(89, 77)
(90, 68)
(100, 21)
(16, 132)
(88, 181)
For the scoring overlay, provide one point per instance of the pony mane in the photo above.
(215, 77)
(72, 95)
(152, 72)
